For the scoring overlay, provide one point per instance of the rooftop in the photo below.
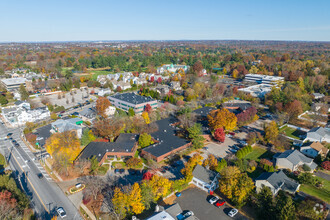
(166, 135)
(294, 156)
(203, 112)
(265, 77)
(123, 143)
(13, 81)
(133, 98)
(204, 174)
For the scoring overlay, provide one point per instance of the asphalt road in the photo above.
(44, 194)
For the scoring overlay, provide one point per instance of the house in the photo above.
(162, 89)
(203, 112)
(72, 124)
(12, 84)
(125, 101)
(88, 114)
(172, 68)
(205, 179)
(124, 146)
(312, 149)
(167, 143)
(171, 212)
(276, 181)
(318, 95)
(292, 160)
(104, 92)
(110, 111)
(21, 113)
(175, 85)
(319, 134)
(237, 106)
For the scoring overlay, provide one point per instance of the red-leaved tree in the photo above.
(219, 135)
(148, 108)
(326, 165)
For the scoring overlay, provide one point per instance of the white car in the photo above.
(188, 214)
(61, 212)
(233, 212)
(213, 199)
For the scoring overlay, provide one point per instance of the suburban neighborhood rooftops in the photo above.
(237, 105)
(165, 135)
(133, 98)
(174, 209)
(204, 174)
(316, 146)
(203, 112)
(319, 132)
(14, 81)
(294, 156)
(123, 143)
(279, 180)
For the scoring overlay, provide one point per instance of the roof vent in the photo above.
(107, 150)
(164, 130)
(126, 150)
(113, 150)
(99, 155)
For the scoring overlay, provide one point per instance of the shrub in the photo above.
(306, 168)
(133, 162)
(326, 165)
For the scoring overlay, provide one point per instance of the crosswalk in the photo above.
(5, 144)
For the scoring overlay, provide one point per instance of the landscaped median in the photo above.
(76, 189)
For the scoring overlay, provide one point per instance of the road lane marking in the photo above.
(32, 185)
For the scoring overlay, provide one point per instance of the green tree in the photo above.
(285, 208)
(87, 137)
(3, 100)
(22, 91)
(265, 204)
(94, 164)
(131, 112)
(145, 140)
(195, 135)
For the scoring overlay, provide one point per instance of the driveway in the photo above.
(194, 199)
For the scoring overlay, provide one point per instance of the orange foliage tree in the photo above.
(222, 118)
(102, 103)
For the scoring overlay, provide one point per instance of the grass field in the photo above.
(96, 73)
(291, 132)
(258, 153)
(321, 193)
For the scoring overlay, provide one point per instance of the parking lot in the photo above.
(195, 200)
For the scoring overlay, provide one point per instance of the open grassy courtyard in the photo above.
(258, 153)
(292, 132)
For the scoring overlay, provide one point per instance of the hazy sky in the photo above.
(74, 20)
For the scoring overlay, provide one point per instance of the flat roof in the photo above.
(13, 81)
(265, 77)
(133, 98)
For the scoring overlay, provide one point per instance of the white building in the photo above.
(171, 68)
(264, 79)
(22, 113)
(205, 179)
(257, 90)
(13, 83)
(111, 110)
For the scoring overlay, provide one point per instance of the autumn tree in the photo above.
(235, 185)
(219, 134)
(190, 165)
(222, 118)
(135, 200)
(198, 68)
(160, 186)
(102, 103)
(148, 108)
(108, 128)
(271, 132)
(293, 109)
(211, 162)
(87, 137)
(22, 91)
(145, 140)
(64, 144)
(146, 118)
(133, 162)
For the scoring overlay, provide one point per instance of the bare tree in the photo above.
(81, 165)
(94, 185)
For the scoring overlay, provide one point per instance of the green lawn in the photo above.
(291, 132)
(258, 153)
(99, 72)
(321, 193)
(256, 173)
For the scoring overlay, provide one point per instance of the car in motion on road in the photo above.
(40, 176)
(9, 135)
(213, 199)
(61, 212)
(232, 212)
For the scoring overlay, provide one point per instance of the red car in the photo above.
(220, 202)
(232, 133)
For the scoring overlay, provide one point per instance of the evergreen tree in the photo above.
(22, 91)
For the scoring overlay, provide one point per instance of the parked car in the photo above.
(235, 147)
(75, 113)
(187, 214)
(162, 170)
(40, 176)
(13, 141)
(233, 150)
(232, 133)
(229, 135)
(232, 212)
(242, 142)
(9, 135)
(16, 144)
(61, 212)
(220, 202)
(62, 112)
(121, 171)
(116, 171)
(213, 199)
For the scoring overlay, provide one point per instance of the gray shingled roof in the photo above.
(203, 112)
(279, 180)
(204, 174)
(294, 156)
(174, 210)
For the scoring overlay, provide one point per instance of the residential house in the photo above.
(104, 92)
(172, 68)
(111, 110)
(312, 149)
(292, 160)
(124, 146)
(175, 85)
(21, 113)
(162, 89)
(237, 106)
(205, 179)
(319, 134)
(166, 142)
(71, 124)
(276, 181)
(318, 95)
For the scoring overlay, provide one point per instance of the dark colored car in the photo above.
(62, 112)
(116, 170)
(232, 133)
(121, 171)
(9, 135)
(40, 176)
(132, 172)
(75, 113)
(16, 144)
(220, 203)
(162, 170)
(13, 141)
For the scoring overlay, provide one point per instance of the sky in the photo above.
(101, 20)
